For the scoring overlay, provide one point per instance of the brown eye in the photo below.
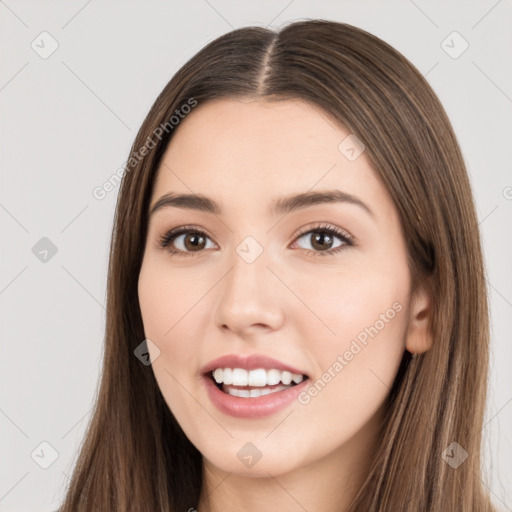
(184, 241)
(322, 240)
(194, 241)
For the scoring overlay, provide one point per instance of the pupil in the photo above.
(194, 243)
(323, 237)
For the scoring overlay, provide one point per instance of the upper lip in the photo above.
(251, 362)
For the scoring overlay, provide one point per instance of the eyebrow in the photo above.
(280, 205)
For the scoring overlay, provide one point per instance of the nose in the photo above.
(248, 301)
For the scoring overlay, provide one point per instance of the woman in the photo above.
(241, 370)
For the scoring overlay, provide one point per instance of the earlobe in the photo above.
(419, 337)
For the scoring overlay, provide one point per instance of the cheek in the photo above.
(158, 307)
(165, 298)
(174, 309)
(352, 303)
(357, 365)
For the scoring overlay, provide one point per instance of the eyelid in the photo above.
(327, 226)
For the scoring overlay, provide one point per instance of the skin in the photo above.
(293, 305)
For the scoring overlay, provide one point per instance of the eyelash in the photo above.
(347, 239)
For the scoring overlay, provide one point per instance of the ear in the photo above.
(418, 337)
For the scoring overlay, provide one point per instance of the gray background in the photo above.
(68, 122)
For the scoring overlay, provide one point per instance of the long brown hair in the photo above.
(134, 455)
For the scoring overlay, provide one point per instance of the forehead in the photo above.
(238, 151)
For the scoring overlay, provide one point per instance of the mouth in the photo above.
(243, 383)
(264, 387)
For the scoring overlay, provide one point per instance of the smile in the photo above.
(254, 383)
(252, 402)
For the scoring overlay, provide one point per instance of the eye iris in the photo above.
(193, 239)
(321, 237)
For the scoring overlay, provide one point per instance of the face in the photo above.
(320, 287)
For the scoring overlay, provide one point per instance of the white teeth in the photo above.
(246, 393)
(273, 377)
(286, 378)
(255, 378)
(296, 377)
(239, 377)
(228, 376)
(258, 377)
(217, 375)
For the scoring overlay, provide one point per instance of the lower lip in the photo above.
(255, 407)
